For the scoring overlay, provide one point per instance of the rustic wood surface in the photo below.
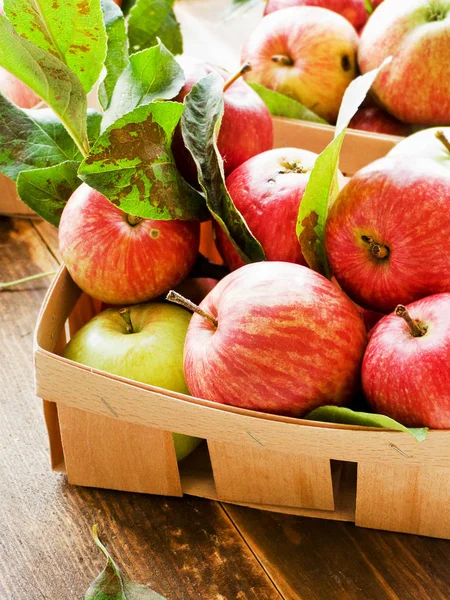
(183, 548)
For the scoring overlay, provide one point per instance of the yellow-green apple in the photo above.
(121, 259)
(354, 11)
(416, 33)
(385, 233)
(280, 338)
(374, 118)
(144, 343)
(246, 127)
(305, 52)
(406, 367)
(429, 143)
(267, 190)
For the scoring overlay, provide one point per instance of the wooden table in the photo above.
(183, 548)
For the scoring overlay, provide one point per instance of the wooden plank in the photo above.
(184, 548)
(10, 203)
(409, 499)
(261, 476)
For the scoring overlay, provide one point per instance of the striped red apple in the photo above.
(279, 338)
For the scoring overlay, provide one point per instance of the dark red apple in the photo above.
(406, 368)
(374, 118)
(121, 259)
(246, 127)
(267, 190)
(353, 10)
(386, 233)
(286, 341)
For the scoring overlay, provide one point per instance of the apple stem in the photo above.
(377, 249)
(177, 298)
(443, 139)
(134, 220)
(9, 284)
(245, 68)
(126, 316)
(283, 59)
(416, 327)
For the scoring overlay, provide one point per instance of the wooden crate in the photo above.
(107, 431)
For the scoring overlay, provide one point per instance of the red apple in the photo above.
(373, 118)
(305, 52)
(17, 91)
(286, 341)
(414, 86)
(387, 230)
(246, 127)
(267, 190)
(121, 259)
(353, 10)
(406, 368)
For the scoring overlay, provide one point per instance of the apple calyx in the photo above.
(440, 135)
(177, 298)
(245, 68)
(416, 327)
(134, 220)
(377, 249)
(288, 167)
(126, 316)
(283, 59)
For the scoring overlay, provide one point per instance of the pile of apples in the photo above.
(311, 50)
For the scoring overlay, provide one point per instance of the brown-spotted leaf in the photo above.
(133, 166)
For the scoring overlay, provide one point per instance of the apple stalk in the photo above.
(10, 284)
(177, 298)
(440, 135)
(417, 328)
(377, 249)
(245, 68)
(126, 316)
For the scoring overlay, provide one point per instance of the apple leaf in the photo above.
(70, 30)
(112, 585)
(116, 59)
(346, 416)
(200, 126)
(46, 191)
(238, 7)
(50, 78)
(280, 105)
(150, 20)
(132, 165)
(152, 74)
(368, 6)
(323, 187)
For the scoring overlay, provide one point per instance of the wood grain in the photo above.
(184, 548)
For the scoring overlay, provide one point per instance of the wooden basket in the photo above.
(107, 431)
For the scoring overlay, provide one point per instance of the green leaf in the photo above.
(50, 78)
(239, 7)
(339, 414)
(323, 187)
(46, 191)
(117, 50)
(369, 7)
(153, 20)
(152, 74)
(70, 30)
(133, 166)
(112, 585)
(200, 126)
(280, 105)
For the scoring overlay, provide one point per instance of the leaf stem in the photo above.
(9, 284)
(177, 298)
(245, 68)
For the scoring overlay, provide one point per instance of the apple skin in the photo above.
(244, 112)
(267, 190)
(116, 262)
(318, 46)
(403, 204)
(414, 86)
(287, 341)
(17, 91)
(424, 144)
(153, 354)
(353, 10)
(377, 120)
(406, 377)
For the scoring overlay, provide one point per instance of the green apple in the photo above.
(425, 144)
(144, 343)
